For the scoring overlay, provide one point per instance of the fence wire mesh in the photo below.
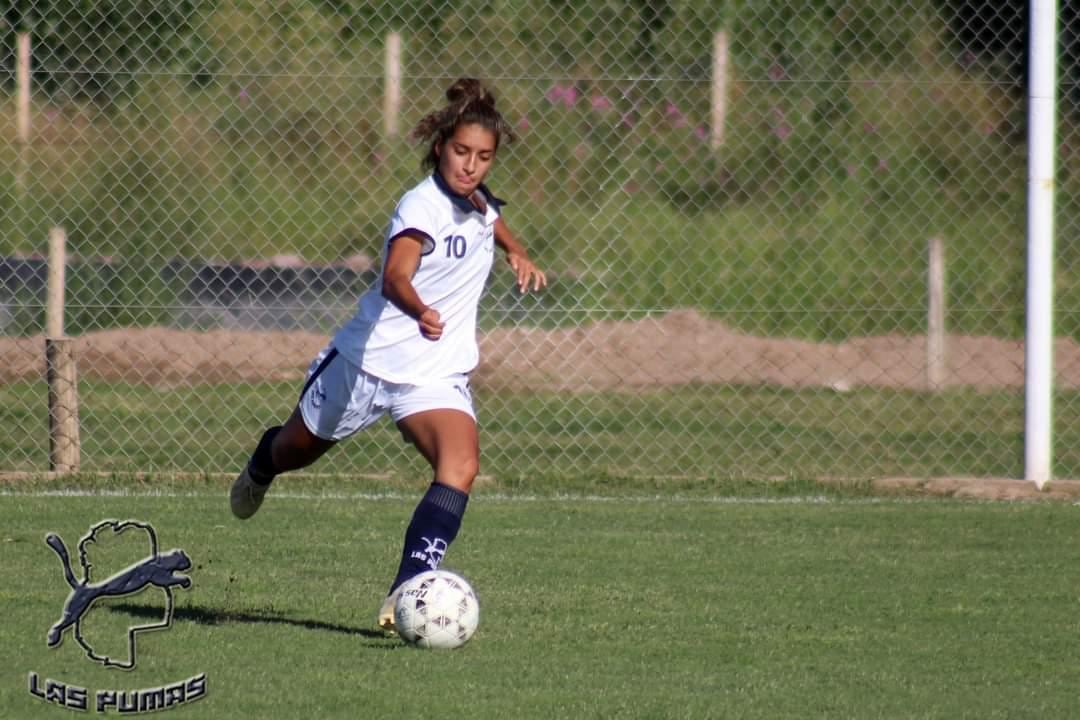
(735, 203)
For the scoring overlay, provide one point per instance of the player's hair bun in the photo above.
(465, 91)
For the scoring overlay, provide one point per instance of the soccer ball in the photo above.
(436, 609)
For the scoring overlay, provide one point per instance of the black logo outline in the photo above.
(157, 570)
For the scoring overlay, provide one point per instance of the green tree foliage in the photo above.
(374, 19)
(94, 50)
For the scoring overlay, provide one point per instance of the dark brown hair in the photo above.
(469, 103)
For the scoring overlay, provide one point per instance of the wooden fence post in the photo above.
(935, 321)
(22, 82)
(392, 90)
(719, 88)
(63, 405)
(22, 125)
(61, 371)
(54, 302)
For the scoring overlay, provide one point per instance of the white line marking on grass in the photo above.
(500, 497)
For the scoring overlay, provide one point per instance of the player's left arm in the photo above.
(524, 268)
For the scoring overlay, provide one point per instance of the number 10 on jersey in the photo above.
(455, 246)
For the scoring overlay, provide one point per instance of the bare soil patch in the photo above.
(678, 348)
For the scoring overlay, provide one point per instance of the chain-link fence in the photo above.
(737, 204)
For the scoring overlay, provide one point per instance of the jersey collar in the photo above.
(463, 202)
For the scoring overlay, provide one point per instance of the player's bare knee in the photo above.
(459, 473)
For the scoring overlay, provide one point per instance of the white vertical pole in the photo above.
(935, 320)
(719, 88)
(1039, 347)
(392, 91)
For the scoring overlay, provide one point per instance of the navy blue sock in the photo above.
(434, 525)
(261, 466)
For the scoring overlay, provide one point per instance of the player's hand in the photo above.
(527, 273)
(431, 324)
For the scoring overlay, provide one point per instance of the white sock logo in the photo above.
(433, 553)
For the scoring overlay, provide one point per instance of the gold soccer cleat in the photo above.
(386, 612)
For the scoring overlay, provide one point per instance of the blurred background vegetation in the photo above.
(225, 131)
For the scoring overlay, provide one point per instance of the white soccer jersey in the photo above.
(459, 244)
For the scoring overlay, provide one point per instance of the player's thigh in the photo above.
(449, 441)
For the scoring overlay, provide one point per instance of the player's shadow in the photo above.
(216, 616)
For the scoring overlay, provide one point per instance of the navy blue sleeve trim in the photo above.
(428, 242)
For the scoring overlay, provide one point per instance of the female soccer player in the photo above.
(410, 347)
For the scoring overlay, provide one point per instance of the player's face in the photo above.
(466, 158)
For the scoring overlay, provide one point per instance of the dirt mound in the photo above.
(677, 348)
(686, 347)
(166, 356)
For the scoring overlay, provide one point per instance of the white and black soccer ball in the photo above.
(437, 609)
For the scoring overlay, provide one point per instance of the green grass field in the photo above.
(773, 602)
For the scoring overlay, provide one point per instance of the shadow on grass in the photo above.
(216, 616)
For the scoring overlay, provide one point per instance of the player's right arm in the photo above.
(401, 262)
